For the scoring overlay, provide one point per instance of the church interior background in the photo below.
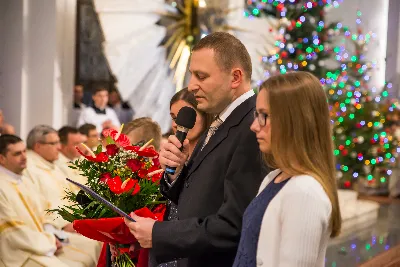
(142, 48)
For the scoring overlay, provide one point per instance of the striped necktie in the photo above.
(213, 128)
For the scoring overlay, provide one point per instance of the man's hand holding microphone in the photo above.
(176, 152)
(172, 159)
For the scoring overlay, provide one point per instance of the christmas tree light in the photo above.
(364, 146)
(365, 149)
(305, 39)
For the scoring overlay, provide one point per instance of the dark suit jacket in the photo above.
(212, 193)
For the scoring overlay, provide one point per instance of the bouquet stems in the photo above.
(123, 260)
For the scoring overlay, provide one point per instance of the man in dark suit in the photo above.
(212, 189)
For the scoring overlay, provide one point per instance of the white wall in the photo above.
(374, 18)
(37, 62)
(393, 48)
(11, 47)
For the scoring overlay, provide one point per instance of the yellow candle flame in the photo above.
(125, 183)
(145, 145)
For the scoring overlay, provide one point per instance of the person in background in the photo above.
(23, 240)
(78, 105)
(5, 128)
(181, 99)
(43, 145)
(142, 130)
(184, 98)
(70, 138)
(99, 114)
(123, 110)
(91, 134)
(296, 211)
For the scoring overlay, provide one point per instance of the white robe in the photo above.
(23, 241)
(52, 185)
(63, 164)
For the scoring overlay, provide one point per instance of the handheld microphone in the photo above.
(185, 120)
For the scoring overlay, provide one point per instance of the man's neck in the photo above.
(42, 158)
(101, 108)
(239, 92)
(229, 105)
(65, 155)
(116, 104)
(14, 175)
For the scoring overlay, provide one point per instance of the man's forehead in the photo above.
(204, 55)
(74, 136)
(93, 132)
(20, 146)
(52, 136)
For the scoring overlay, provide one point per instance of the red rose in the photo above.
(105, 177)
(142, 173)
(156, 162)
(102, 157)
(112, 150)
(134, 165)
(157, 177)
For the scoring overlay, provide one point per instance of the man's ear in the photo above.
(237, 77)
(36, 146)
(152, 147)
(2, 159)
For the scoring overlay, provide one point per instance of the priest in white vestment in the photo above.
(43, 150)
(69, 139)
(99, 114)
(23, 239)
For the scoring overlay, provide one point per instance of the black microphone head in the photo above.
(186, 117)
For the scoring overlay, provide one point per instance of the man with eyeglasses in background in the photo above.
(43, 144)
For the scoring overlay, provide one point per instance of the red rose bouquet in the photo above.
(125, 175)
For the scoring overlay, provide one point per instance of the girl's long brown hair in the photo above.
(301, 137)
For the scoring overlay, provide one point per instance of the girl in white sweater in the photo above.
(296, 211)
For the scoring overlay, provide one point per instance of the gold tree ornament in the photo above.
(187, 21)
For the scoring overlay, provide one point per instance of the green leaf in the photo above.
(99, 149)
(109, 140)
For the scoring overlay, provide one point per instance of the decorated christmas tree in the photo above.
(361, 115)
(364, 146)
(305, 40)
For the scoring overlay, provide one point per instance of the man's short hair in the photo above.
(38, 134)
(6, 140)
(229, 51)
(146, 129)
(98, 87)
(63, 133)
(86, 128)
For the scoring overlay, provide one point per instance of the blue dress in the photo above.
(246, 255)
